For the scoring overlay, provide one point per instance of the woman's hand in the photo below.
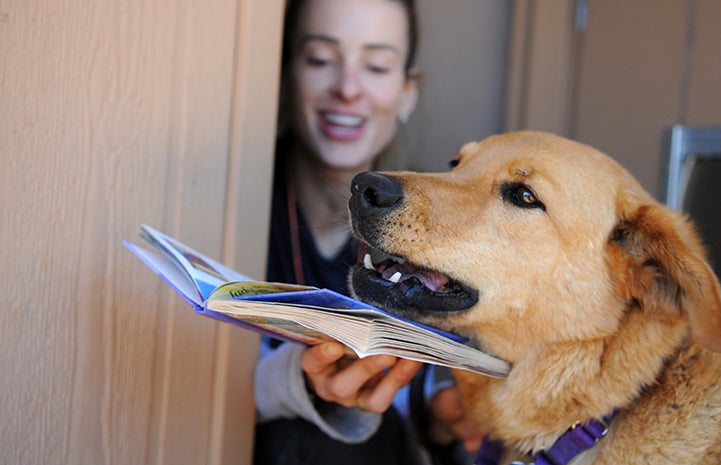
(369, 383)
(449, 421)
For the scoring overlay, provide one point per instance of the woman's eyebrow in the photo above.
(387, 47)
(331, 40)
(320, 37)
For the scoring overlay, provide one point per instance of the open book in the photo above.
(303, 314)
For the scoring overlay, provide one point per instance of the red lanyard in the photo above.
(294, 232)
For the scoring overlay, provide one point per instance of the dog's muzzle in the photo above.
(387, 280)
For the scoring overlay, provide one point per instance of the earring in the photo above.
(402, 117)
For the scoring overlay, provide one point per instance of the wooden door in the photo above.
(117, 113)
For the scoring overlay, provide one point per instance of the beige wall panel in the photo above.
(114, 114)
(629, 81)
(247, 209)
(638, 68)
(704, 91)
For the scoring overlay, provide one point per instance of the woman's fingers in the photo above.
(345, 385)
(450, 422)
(360, 383)
(320, 358)
(378, 396)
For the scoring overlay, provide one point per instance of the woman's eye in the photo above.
(521, 196)
(317, 62)
(381, 61)
(376, 69)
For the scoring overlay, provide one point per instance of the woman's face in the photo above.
(349, 83)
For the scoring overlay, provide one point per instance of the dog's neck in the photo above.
(551, 389)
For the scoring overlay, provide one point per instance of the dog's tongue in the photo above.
(431, 279)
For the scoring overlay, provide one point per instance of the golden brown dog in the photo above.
(546, 253)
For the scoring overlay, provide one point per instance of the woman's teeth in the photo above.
(343, 120)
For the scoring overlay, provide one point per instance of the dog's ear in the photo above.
(661, 265)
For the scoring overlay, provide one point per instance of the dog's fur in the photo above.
(600, 297)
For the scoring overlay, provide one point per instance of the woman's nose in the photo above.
(348, 85)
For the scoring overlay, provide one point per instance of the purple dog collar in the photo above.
(578, 438)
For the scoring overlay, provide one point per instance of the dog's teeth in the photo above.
(367, 262)
(396, 277)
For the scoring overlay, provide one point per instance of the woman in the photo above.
(348, 82)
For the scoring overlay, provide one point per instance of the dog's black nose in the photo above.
(374, 191)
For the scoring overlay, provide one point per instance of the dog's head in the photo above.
(529, 239)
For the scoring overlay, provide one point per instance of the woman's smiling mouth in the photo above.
(342, 127)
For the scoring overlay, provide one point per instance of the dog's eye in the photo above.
(455, 162)
(521, 196)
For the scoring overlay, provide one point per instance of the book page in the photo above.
(311, 297)
(169, 271)
(365, 331)
(206, 273)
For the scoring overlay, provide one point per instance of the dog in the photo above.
(546, 253)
